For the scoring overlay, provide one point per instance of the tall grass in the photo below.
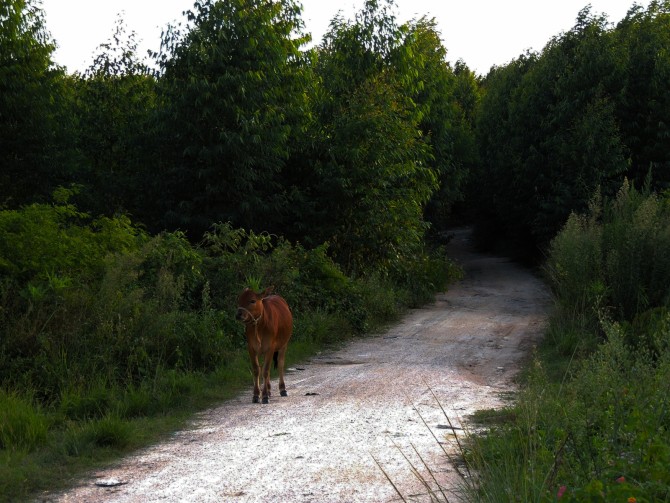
(23, 425)
(598, 430)
(614, 258)
(602, 435)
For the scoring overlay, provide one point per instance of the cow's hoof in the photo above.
(283, 393)
(256, 399)
(266, 399)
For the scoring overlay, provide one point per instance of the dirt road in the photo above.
(347, 409)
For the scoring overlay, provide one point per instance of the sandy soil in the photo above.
(378, 400)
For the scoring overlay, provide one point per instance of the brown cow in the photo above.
(269, 325)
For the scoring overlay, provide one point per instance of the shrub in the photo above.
(636, 238)
(154, 310)
(617, 424)
(603, 435)
(48, 248)
(574, 266)
(613, 258)
(52, 258)
(308, 279)
(428, 272)
(650, 331)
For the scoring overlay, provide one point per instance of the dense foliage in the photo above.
(137, 199)
(135, 204)
(614, 258)
(371, 157)
(231, 95)
(599, 429)
(555, 126)
(32, 127)
(112, 106)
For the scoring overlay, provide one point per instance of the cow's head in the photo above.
(250, 305)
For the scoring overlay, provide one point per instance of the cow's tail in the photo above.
(274, 358)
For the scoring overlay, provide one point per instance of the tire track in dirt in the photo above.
(371, 400)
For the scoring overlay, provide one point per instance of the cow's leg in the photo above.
(255, 367)
(266, 377)
(280, 366)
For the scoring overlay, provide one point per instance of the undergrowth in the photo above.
(592, 422)
(111, 338)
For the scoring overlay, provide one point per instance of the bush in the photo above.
(52, 258)
(49, 248)
(574, 266)
(427, 273)
(636, 237)
(650, 331)
(616, 425)
(613, 258)
(309, 279)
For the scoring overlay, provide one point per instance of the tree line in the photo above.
(360, 141)
(555, 127)
(364, 141)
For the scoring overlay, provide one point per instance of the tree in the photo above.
(29, 100)
(548, 132)
(643, 110)
(230, 90)
(493, 192)
(115, 101)
(579, 148)
(447, 100)
(368, 169)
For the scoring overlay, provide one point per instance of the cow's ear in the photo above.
(268, 291)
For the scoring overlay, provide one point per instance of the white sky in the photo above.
(481, 32)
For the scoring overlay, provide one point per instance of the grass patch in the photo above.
(66, 448)
(23, 424)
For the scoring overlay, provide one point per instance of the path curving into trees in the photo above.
(370, 402)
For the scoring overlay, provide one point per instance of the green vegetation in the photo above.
(594, 426)
(556, 126)
(106, 332)
(122, 250)
(136, 200)
(558, 131)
